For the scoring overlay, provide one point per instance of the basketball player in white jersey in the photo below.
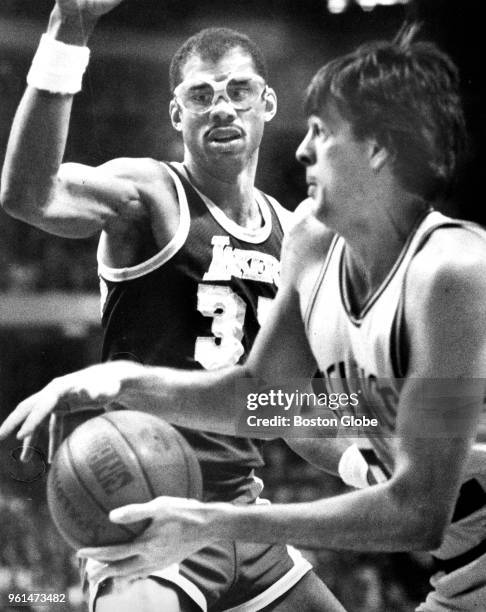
(387, 297)
(188, 262)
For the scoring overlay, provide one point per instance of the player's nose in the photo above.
(223, 108)
(305, 153)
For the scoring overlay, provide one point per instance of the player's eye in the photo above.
(200, 95)
(240, 90)
(317, 130)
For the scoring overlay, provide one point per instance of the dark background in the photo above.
(48, 286)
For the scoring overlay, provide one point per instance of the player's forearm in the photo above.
(367, 520)
(34, 153)
(38, 135)
(211, 401)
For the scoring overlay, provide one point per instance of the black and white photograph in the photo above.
(242, 306)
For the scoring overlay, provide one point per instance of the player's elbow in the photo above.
(423, 519)
(426, 532)
(13, 202)
(9, 199)
(22, 200)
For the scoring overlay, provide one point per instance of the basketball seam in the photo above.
(140, 464)
(84, 486)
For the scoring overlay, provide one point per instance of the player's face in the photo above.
(337, 168)
(237, 101)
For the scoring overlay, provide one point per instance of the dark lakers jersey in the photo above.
(198, 303)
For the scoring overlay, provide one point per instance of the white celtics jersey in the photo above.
(367, 352)
(364, 351)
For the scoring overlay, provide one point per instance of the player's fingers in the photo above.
(16, 417)
(436, 577)
(106, 554)
(28, 448)
(463, 579)
(42, 406)
(136, 569)
(56, 430)
(438, 602)
(473, 600)
(435, 603)
(132, 513)
(157, 508)
(131, 569)
(135, 566)
(97, 572)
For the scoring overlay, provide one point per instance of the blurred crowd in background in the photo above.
(123, 111)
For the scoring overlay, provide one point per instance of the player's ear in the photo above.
(175, 115)
(270, 98)
(378, 155)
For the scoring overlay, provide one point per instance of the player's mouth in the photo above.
(224, 135)
(311, 187)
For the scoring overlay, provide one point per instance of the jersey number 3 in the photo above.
(227, 309)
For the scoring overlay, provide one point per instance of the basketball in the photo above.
(118, 458)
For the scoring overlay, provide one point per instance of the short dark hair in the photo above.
(211, 44)
(404, 93)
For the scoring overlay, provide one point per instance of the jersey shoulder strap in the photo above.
(164, 255)
(285, 216)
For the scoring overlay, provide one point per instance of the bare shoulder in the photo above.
(149, 218)
(123, 181)
(141, 170)
(155, 190)
(452, 258)
(446, 304)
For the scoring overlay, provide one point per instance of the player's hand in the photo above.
(96, 8)
(73, 21)
(462, 589)
(91, 388)
(179, 528)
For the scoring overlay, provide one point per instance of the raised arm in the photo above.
(69, 200)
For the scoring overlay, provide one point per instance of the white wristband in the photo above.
(353, 468)
(58, 67)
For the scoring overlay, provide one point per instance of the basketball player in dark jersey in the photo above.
(388, 298)
(188, 262)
